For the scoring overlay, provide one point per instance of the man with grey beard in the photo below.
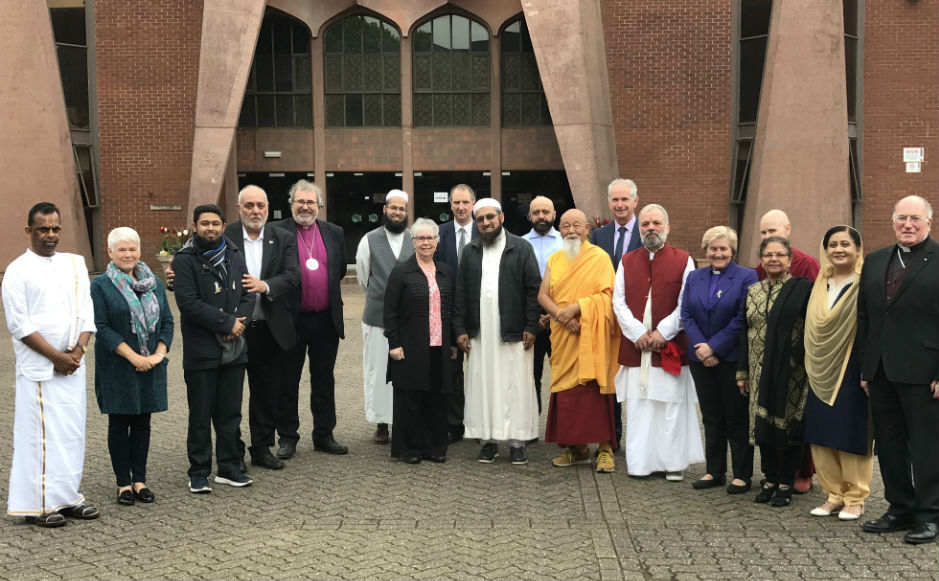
(495, 318)
(662, 433)
(576, 292)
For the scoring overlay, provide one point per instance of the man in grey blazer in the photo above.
(618, 238)
(273, 276)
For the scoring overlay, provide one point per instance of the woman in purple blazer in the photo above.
(712, 311)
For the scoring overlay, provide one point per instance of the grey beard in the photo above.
(653, 241)
(572, 247)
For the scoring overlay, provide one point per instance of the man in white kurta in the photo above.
(50, 316)
(376, 255)
(498, 270)
(662, 432)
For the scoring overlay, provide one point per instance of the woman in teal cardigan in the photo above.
(135, 331)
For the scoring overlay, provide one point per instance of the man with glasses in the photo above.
(47, 302)
(455, 235)
(898, 345)
(376, 255)
(495, 319)
(776, 223)
(317, 304)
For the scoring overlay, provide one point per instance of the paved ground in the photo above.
(362, 516)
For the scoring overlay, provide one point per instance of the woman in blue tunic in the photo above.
(837, 410)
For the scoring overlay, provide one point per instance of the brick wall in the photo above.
(669, 68)
(147, 72)
(451, 149)
(366, 149)
(901, 109)
(530, 148)
(295, 146)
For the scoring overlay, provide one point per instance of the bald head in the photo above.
(252, 208)
(541, 214)
(574, 223)
(774, 223)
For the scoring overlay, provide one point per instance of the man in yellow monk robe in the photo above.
(576, 292)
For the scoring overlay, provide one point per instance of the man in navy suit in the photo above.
(619, 237)
(898, 345)
(317, 303)
(454, 235)
(273, 275)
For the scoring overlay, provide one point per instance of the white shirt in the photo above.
(456, 234)
(254, 259)
(51, 296)
(628, 233)
(631, 326)
(363, 256)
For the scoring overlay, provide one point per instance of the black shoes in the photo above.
(518, 455)
(265, 459)
(703, 484)
(783, 497)
(923, 532)
(766, 493)
(287, 449)
(49, 520)
(80, 512)
(329, 445)
(456, 434)
(144, 495)
(738, 488)
(488, 453)
(889, 523)
(412, 459)
(125, 497)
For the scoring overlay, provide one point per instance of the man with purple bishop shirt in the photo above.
(318, 306)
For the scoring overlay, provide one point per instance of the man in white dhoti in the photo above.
(662, 433)
(378, 252)
(495, 319)
(50, 316)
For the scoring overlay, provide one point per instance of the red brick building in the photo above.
(718, 109)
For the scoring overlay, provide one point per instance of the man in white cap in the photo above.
(378, 252)
(495, 319)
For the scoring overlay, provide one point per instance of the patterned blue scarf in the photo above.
(216, 257)
(143, 304)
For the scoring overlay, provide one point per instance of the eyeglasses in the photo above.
(423, 238)
(486, 218)
(775, 255)
(301, 203)
(900, 219)
(47, 229)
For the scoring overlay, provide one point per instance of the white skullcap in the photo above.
(487, 203)
(397, 194)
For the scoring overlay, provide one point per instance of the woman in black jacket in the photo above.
(418, 306)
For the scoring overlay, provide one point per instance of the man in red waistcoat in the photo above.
(662, 432)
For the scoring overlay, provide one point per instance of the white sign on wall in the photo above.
(441, 197)
(914, 167)
(913, 155)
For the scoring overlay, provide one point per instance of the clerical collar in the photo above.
(716, 272)
(913, 248)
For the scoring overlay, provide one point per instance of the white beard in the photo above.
(571, 247)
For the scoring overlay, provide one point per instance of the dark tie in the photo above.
(461, 245)
(618, 253)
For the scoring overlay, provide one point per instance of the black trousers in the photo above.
(542, 347)
(906, 428)
(214, 399)
(780, 464)
(419, 426)
(267, 374)
(455, 400)
(725, 415)
(316, 339)
(128, 446)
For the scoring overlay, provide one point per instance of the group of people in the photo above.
(795, 356)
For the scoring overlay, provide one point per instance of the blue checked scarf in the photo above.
(143, 303)
(216, 257)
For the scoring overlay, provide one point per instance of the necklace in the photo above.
(311, 263)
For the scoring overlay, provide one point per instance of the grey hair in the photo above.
(122, 234)
(422, 223)
(472, 192)
(249, 188)
(920, 199)
(648, 207)
(716, 232)
(633, 190)
(305, 186)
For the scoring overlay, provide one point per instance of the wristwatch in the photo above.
(82, 347)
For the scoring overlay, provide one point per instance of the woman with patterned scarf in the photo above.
(135, 331)
(837, 411)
